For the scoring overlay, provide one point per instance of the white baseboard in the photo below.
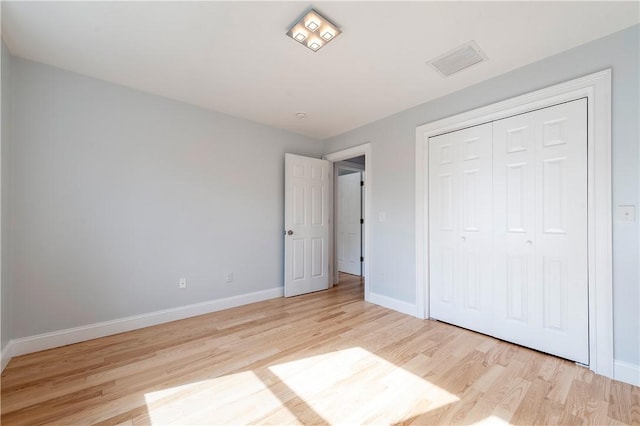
(626, 372)
(5, 356)
(55, 339)
(395, 304)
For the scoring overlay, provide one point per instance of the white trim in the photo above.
(626, 372)
(597, 89)
(345, 154)
(55, 339)
(394, 304)
(5, 356)
(347, 165)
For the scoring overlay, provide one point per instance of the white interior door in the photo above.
(349, 227)
(306, 221)
(460, 226)
(540, 240)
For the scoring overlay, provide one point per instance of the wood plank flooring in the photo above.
(323, 358)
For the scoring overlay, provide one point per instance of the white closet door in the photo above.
(508, 229)
(514, 228)
(540, 230)
(460, 225)
(561, 231)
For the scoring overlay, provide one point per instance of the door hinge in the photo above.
(361, 259)
(361, 221)
(361, 183)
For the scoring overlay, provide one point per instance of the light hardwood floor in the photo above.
(323, 358)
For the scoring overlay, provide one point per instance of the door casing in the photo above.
(597, 89)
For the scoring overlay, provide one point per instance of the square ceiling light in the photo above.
(313, 31)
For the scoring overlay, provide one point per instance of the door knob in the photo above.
(289, 232)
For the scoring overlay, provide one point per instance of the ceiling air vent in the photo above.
(458, 59)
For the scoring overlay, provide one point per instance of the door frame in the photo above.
(597, 89)
(345, 154)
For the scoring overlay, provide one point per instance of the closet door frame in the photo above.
(597, 89)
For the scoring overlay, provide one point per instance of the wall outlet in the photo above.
(229, 278)
(182, 283)
(627, 214)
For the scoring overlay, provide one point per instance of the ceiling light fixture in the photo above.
(312, 25)
(314, 45)
(313, 30)
(327, 35)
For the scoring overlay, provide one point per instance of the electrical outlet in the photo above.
(182, 283)
(627, 214)
(229, 277)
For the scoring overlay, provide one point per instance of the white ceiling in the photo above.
(234, 57)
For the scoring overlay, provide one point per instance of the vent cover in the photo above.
(458, 59)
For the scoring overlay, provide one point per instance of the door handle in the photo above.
(289, 232)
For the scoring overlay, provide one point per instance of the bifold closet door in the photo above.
(540, 230)
(508, 229)
(460, 227)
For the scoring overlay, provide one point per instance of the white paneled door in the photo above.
(540, 229)
(460, 227)
(532, 265)
(348, 224)
(306, 221)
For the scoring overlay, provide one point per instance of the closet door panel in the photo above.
(460, 224)
(540, 230)
(513, 213)
(561, 229)
(476, 228)
(443, 226)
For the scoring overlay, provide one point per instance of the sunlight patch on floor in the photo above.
(350, 385)
(491, 421)
(344, 387)
(222, 400)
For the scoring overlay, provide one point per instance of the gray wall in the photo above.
(5, 167)
(393, 155)
(116, 194)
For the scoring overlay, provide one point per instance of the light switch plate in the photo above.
(627, 213)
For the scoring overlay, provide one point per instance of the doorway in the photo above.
(349, 215)
(362, 163)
